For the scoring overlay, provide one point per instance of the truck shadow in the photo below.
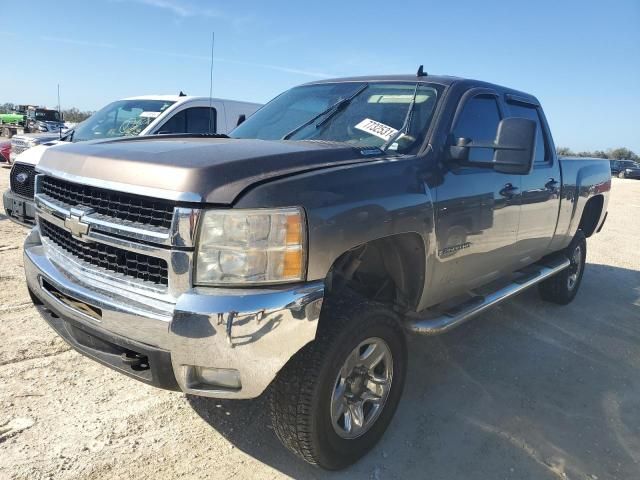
(527, 390)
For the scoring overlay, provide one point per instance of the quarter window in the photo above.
(478, 122)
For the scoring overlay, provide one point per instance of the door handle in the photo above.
(508, 190)
(551, 184)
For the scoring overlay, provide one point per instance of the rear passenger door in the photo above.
(191, 120)
(540, 189)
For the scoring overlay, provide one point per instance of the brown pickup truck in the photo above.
(295, 255)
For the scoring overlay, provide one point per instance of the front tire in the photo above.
(622, 175)
(563, 287)
(335, 398)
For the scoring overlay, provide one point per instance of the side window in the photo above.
(531, 112)
(191, 120)
(198, 120)
(176, 124)
(478, 122)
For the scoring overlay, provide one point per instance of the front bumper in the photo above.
(19, 209)
(250, 333)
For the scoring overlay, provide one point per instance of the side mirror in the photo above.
(514, 147)
(516, 143)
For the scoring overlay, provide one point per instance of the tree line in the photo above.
(620, 153)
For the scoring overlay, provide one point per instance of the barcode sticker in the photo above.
(376, 128)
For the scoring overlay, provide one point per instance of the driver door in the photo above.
(477, 208)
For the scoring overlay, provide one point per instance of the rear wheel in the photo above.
(333, 401)
(563, 287)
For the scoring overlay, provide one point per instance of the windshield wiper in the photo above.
(406, 124)
(336, 107)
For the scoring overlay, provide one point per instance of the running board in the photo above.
(443, 322)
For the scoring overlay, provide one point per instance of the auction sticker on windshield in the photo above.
(378, 129)
(149, 114)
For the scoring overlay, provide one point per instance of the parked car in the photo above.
(296, 254)
(30, 118)
(22, 142)
(44, 120)
(5, 150)
(135, 116)
(625, 168)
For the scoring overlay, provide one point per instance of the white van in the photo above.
(145, 115)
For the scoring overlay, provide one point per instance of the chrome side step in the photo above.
(435, 324)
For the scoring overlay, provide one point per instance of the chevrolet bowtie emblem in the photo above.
(74, 222)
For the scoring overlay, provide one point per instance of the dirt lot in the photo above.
(527, 391)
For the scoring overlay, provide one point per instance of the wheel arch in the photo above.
(591, 215)
(390, 269)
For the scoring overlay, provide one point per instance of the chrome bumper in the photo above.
(19, 209)
(253, 332)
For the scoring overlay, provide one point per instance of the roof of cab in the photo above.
(444, 80)
(184, 98)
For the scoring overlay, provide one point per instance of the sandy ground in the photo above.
(527, 391)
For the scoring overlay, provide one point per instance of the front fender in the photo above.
(352, 205)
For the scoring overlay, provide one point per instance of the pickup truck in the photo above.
(294, 257)
(143, 115)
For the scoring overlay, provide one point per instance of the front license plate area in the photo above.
(18, 207)
(77, 305)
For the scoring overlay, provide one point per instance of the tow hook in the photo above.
(135, 360)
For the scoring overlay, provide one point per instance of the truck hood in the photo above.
(194, 169)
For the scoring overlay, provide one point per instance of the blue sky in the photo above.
(581, 58)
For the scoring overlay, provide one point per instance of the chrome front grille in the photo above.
(123, 206)
(113, 259)
(22, 179)
(107, 243)
(18, 145)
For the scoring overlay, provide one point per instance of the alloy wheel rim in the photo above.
(576, 265)
(361, 388)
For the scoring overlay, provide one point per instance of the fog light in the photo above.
(224, 378)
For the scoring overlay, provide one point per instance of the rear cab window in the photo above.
(532, 112)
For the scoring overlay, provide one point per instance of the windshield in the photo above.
(48, 115)
(372, 117)
(120, 119)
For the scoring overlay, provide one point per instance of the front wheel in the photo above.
(622, 175)
(333, 401)
(563, 287)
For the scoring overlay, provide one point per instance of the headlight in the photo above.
(250, 247)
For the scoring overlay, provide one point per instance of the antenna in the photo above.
(213, 38)
(421, 72)
(59, 111)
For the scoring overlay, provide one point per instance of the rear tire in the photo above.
(313, 387)
(563, 287)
